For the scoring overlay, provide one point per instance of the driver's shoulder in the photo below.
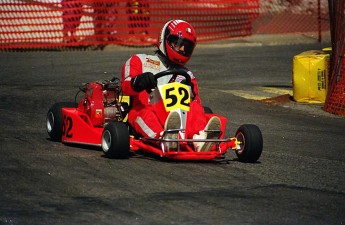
(145, 57)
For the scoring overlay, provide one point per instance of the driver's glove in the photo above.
(145, 81)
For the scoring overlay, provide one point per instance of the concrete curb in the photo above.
(254, 40)
(269, 39)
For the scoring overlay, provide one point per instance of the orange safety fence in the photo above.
(64, 23)
(335, 102)
(307, 17)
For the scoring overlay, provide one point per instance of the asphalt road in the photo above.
(299, 178)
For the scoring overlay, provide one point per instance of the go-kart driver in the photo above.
(176, 43)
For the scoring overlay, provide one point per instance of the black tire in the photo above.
(251, 143)
(54, 119)
(208, 110)
(115, 140)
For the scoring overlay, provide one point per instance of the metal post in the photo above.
(319, 19)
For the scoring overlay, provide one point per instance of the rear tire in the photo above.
(115, 140)
(251, 143)
(54, 120)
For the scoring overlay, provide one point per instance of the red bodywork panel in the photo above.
(78, 128)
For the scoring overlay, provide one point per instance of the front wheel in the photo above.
(251, 143)
(115, 140)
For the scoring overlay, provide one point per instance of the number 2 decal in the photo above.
(185, 96)
(175, 96)
(67, 127)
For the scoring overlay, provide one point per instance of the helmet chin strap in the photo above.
(168, 63)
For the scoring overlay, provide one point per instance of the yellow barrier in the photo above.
(310, 76)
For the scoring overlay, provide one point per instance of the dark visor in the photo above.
(177, 42)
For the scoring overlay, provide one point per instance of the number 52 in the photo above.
(175, 96)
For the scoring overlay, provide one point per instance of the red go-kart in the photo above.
(99, 119)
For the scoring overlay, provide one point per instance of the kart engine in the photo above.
(101, 102)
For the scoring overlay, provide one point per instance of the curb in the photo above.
(249, 41)
(270, 40)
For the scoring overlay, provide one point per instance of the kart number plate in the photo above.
(175, 96)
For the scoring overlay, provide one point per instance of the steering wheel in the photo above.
(181, 72)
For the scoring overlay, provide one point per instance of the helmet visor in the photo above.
(181, 45)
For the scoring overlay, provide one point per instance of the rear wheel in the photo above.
(55, 121)
(115, 140)
(251, 143)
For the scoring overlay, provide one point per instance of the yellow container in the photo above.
(310, 76)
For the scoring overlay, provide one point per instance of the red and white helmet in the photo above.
(177, 41)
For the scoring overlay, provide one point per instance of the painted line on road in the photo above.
(244, 94)
(279, 91)
(260, 93)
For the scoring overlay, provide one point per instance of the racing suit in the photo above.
(149, 120)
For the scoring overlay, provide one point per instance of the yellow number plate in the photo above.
(175, 96)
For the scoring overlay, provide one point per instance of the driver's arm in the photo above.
(130, 69)
(195, 90)
(133, 78)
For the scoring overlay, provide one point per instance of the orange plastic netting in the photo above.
(61, 23)
(58, 23)
(335, 102)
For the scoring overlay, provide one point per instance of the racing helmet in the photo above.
(176, 41)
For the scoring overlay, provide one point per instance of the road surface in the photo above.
(299, 178)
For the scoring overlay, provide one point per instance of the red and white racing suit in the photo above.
(149, 120)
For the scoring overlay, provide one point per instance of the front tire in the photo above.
(115, 140)
(54, 120)
(251, 143)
